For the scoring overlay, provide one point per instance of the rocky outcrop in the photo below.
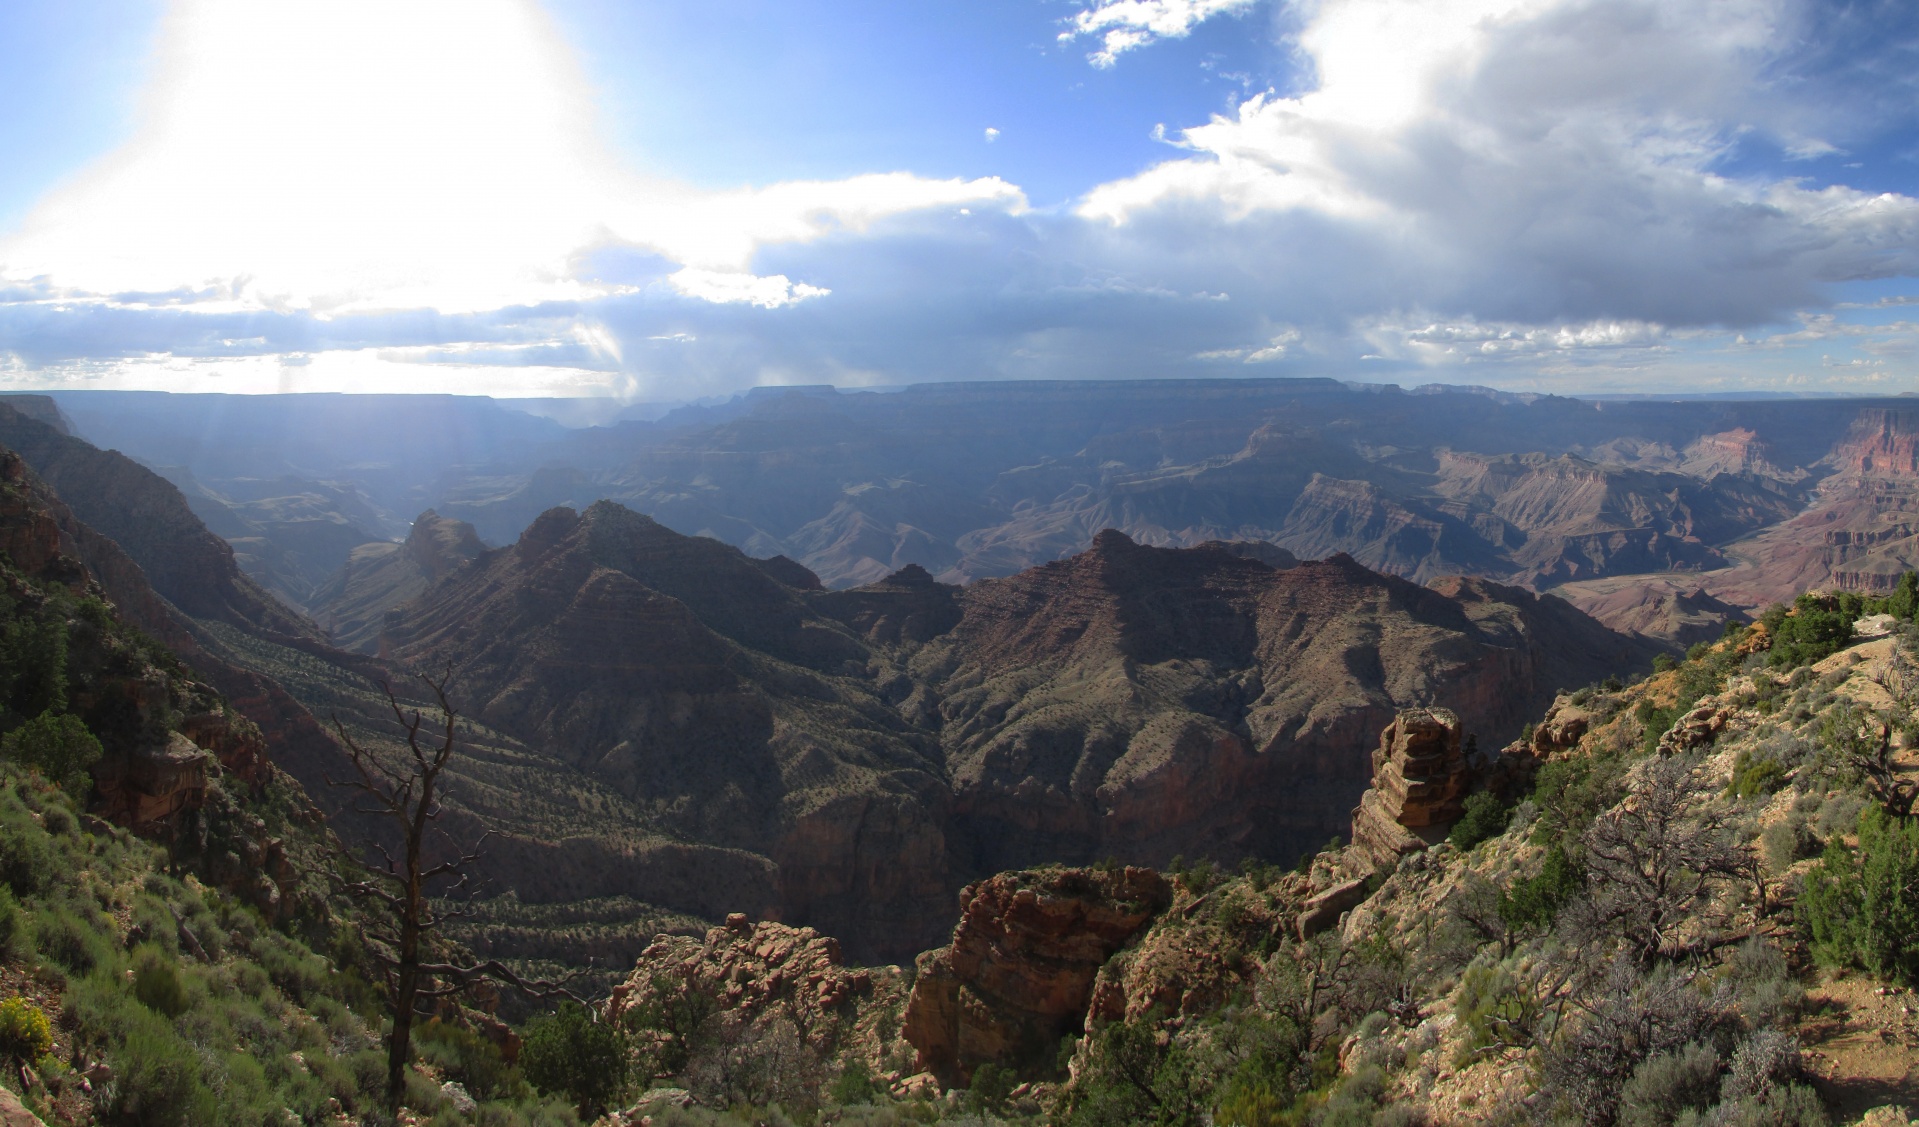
(1323, 909)
(1019, 972)
(1420, 783)
(762, 971)
(152, 784)
(1423, 770)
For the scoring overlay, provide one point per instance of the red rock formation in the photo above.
(1019, 972)
(1739, 450)
(1420, 782)
(1881, 443)
(1146, 702)
(1422, 773)
(764, 970)
(152, 784)
(234, 740)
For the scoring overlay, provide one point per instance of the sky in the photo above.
(662, 201)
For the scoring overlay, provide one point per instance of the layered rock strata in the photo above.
(1424, 768)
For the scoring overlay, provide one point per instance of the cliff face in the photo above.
(1881, 443)
(150, 520)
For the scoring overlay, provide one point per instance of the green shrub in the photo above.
(990, 1088)
(300, 974)
(1785, 842)
(1862, 909)
(59, 747)
(1666, 1085)
(1819, 627)
(1571, 791)
(1532, 904)
(33, 666)
(567, 1053)
(157, 1077)
(12, 933)
(68, 940)
(469, 1058)
(1756, 775)
(1485, 817)
(157, 984)
(854, 1085)
(1131, 1078)
(26, 856)
(25, 1032)
(1497, 1009)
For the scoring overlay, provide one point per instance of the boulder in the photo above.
(13, 1113)
(154, 783)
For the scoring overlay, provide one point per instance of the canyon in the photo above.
(666, 719)
(829, 658)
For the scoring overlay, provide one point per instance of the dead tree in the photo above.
(405, 790)
(1655, 857)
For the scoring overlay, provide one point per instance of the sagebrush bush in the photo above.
(1668, 1084)
(69, 941)
(157, 984)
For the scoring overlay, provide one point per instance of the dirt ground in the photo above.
(1861, 1044)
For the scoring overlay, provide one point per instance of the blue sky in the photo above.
(665, 201)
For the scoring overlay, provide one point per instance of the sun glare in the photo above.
(360, 155)
(334, 154)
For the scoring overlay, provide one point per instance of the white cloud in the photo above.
(1437, 343)
(1122, 25)
(992, 134)
(1524, 160)
(738, 287)
(350, 155)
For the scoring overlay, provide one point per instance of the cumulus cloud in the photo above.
(1122, 25)
(1528, 160)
